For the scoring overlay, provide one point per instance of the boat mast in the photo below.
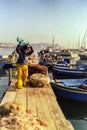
(53, 43)
(79, 42)
(83, 44)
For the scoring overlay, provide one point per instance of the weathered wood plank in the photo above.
(43, 104)
(21, 96)
(31, 101)
(48, 118)
(43, 107)
(9, 97)
(57, 115)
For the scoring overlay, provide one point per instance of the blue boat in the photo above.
(83, 55)
(49, 65)
(72, 89)
(82, 62)
(65, 71)
(2, 64)
(2, 71)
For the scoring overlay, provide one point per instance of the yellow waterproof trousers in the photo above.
(22, 75)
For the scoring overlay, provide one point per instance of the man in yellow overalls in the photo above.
(22, 64)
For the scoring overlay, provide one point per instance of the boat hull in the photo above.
(67, 72)
(69, 93)
(2, 71)
(47, 64)
(83, 56)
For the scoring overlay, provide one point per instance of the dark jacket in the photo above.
(23, 57)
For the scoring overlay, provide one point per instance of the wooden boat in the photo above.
(71, 89)
(2, 67)
(2, 64)
(83, 55)
(69, 71)
(65, 53)
(81, 62)
(2, 71)
(49, 65)
(3, 60)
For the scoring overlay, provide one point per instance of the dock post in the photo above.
(10, 75)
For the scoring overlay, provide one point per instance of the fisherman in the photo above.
(24, 52)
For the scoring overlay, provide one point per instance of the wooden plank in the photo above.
(42, 101)
(57, 115)
(21, 96)
(9, 97)
(31, 101)
(42, 110)
(50, 121)
(43, 104)
(51, 99)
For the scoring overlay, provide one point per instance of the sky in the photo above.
(39, 20)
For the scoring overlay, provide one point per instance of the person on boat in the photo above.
(24, 52)
(13, 57)
(59, 58)
(43, 54)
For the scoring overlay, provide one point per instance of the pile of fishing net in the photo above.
(39, 80)
(37, 69)
(14, 117)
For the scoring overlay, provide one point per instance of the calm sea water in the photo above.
(75, 112)
(4, 77)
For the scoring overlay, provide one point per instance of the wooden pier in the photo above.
(42, 102)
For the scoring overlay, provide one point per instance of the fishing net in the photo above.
(39, 80)
(14, 117)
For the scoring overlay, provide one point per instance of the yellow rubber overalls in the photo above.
(22, 75)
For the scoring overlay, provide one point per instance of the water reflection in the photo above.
(73, 109)
(3, 84)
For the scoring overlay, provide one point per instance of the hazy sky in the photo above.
(40, 20)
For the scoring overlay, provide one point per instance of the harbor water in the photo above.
(76, 112)
(4, 77)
